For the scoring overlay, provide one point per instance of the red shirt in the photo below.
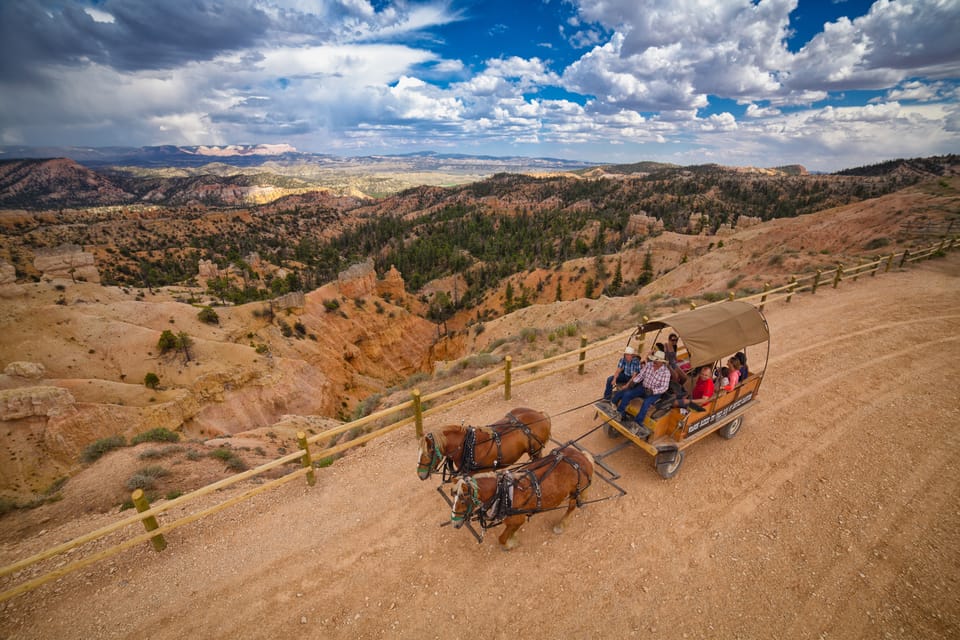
(703, 388)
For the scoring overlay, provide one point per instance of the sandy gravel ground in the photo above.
(833, 514)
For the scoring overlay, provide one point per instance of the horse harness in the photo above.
(500, 506)
(468, 463)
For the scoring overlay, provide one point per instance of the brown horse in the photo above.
(460, 450)
(511, 497)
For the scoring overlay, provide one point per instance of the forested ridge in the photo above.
(485, 230)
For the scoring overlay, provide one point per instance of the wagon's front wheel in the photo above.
(611, 430)
(729, 430)
(668, 463)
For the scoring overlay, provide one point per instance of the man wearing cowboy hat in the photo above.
(649, 384)
(628, 366)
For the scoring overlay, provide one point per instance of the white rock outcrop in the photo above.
(29, 370)
(67, 261)
(27, 402)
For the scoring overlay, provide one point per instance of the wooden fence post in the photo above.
(693, 305)
(793, 287)
(839, 276)
(417, 412)
(876, 267)
(906, 252)
(583, 353)
(763, 298)
(889, 263)
(506, 377)
(305, 460)
(856, 274)
(150, 522)
(816, 282)
(732, 296)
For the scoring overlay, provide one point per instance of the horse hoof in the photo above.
(558, 529)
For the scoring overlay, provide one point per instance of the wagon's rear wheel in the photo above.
(731, 429)
(668, 463)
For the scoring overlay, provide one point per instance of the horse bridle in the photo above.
(473, 503)
(436, 457)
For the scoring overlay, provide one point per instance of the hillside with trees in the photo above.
(483, 231)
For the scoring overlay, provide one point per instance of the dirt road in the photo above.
(833, 514)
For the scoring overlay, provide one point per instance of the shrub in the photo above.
(529, 334)
(231, 459)
(284, 328)
(876, 243)
(208, 315)
(6, 505)
(161, 453)
(331, 305)
(366, 407)
(146, 478)
(151, 380)
(96, 450)
(167, 341)
(160, 434)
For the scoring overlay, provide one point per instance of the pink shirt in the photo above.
(734, 379)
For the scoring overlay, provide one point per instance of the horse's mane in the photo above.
(439, 438)
(440, 435)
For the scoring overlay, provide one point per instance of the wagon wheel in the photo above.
(731, 429)
(668, 463)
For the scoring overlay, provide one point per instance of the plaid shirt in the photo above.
(653, 380)
(631, 368)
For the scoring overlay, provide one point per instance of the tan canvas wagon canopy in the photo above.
(716, 331)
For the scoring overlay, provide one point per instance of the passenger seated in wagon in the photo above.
(650, 383)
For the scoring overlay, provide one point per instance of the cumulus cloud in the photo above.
(669, 77)
(892, 42)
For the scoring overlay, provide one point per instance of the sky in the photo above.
(829, 84)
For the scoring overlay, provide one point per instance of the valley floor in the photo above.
(833, 514)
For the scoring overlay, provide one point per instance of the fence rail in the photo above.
(500, 376)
